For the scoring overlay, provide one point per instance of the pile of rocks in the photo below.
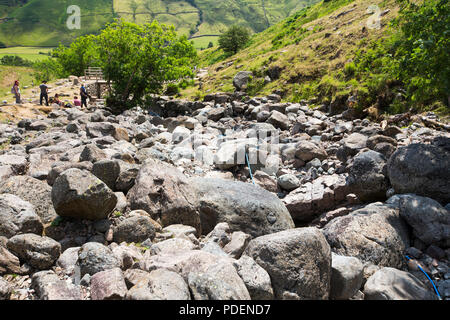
(226, 198)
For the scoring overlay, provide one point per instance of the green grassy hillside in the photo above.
(307, 49)
(43, 22)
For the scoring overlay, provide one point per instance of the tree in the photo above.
(234, 39)
(210, 45)
(423, 52)
(15, 61)
(139, 59)
(134, 6)
(80, 55)
(47, 70)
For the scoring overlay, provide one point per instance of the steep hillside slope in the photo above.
(303, 51)
(43, 22)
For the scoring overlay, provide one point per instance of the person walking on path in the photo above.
(44, 92)
(84, 95)
(16, 91)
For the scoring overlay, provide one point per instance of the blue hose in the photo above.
(248, 163)
(432, 282)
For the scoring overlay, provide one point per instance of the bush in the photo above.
(15, 61)
(413, 56)
(48, 69)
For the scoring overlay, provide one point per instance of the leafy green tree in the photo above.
(134, 6)
(16, 61)
(139, 59)
(48, 69)
(81, 54)
(234, 39)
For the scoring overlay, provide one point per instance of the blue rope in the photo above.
(432, 282)
(250, 168)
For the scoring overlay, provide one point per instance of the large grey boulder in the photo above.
(278, 120)
(421, 169)
(126, 254)
(368, 176)
(136, 228)
(243, 206)
(298, 262)
(79, 194)
(99, 129)
(375, 233)
(308, 151)
(48, 286)
(60, 167)
(256, 279)
(429, 220)
(346, 277)
(18, 164)
(108, 171)
(5, 289)
(39, 252)
(173, 245)
(393, 284)
(166, 194)
(18, 217)
(288, 182)
(108, 285)
(160, 284)
(219, 282)
(241, 79)
(36, 192)
(94, 257)
(92, 153)
(68, 260)
(9, 263)
(351, 146)
(181, 262)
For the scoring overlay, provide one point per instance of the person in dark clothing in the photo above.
(44, 92)
(84, 95)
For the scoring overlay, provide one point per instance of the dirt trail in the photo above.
(30, 108)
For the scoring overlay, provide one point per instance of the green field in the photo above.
(28, 53)
(43, 22)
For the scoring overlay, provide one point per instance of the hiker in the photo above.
(16, 91)
(84, 95)
(44, 92)
(57, 101)
(76, 102)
